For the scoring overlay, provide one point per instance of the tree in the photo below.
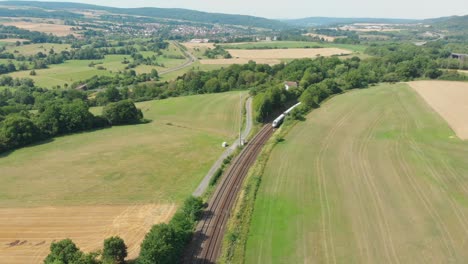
(123, 112)
(63, 252)
(154, 74)
(159, 246)
(33, 73)
(112, 94)
(18, 131)
(66, 252)
(115, 250)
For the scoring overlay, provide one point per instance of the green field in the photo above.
(73, 70)
(162, 161)
(33, 49)
(373, 176)
(78, 70)
(291, 45)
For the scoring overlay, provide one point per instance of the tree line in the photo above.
(59, 117)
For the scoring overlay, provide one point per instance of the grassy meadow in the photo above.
(72, 71)
(33, 49)
(159, 162)
(373, 176)
(78, 70)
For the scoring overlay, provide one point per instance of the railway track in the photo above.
(206, 244)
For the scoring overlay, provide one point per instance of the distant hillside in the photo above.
(453, 23)
(327, 21)
(165, 13)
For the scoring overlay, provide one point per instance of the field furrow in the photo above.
(381, 179)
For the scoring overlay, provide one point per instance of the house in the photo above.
(288, 85)
(459, 56)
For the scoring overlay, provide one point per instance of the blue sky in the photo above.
(307, 8)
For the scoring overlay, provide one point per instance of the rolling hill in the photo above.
(325, 21)
(153, 12)
(449, 23)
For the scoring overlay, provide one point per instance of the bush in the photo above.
(16, 131)
(123, 112)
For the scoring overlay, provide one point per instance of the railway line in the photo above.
(206, 244)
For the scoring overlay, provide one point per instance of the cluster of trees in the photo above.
(57, 114)
(165, 242)
(218, 51)
(66, 252)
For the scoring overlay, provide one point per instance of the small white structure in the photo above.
(289, 85)
(225, 145)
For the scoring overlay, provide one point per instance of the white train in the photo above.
(279, 120)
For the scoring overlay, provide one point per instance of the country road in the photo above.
(190, 60)
(248, 127)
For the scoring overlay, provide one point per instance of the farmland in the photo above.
(112, 181)
(72, 71)
(449, 100)
(373, 176)
(55, 29)
(291, 45)
(77, 70)
(274, 56)
(33, 49)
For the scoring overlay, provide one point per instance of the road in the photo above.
(248, 127)
(190, 60)
(206, 243)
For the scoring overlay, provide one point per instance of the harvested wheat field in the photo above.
(239, 61)
(26, 233)
(286, 53)
(449, 99)
(192, 45)
(58, 30)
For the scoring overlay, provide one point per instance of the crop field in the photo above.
(120, 180)
(291, 45)
(198, 49)
(286, 53)
(372, 176)
(55, 29)
(239, 61)
(12, 40)
(449, 99)
(273, 56)
(26, 233)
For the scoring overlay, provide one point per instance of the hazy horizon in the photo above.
(303, 8)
